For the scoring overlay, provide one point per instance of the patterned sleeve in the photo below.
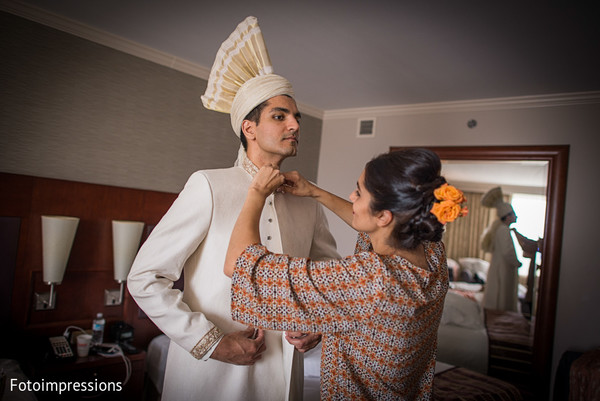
(278, 292)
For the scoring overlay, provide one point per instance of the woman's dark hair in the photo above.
(403, 183)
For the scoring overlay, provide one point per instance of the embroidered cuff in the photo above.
(206, 343)
(209, 353)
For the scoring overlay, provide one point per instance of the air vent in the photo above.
(366, 128)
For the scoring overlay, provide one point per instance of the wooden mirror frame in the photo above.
(557, 157)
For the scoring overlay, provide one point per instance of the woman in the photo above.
(379, 309)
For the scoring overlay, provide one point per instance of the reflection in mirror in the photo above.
(489, 312)
(523, 184)
(466, 333)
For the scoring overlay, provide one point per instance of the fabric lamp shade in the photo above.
(58, 233)
(126, 240)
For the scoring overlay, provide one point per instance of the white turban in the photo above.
(242, 75)
(254, 92)
(494, 198)
(504, 209)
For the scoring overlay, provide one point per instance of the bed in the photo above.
(462, 335)
(156, 362)
(469, 336)
(450, 383)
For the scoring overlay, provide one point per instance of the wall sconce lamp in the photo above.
(58, 233)
(126, 241)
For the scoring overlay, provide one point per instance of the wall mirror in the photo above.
(554, 160)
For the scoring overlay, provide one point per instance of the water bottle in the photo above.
(98, 329)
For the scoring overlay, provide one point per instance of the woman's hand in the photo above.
(297, 185)
(267, 180)
(303, 341)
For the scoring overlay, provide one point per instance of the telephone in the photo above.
(60, 348)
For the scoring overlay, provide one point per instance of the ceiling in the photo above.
(343, 54)
(525, 176)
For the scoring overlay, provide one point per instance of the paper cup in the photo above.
(83, 344)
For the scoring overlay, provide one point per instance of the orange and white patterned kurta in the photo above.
(379, 315)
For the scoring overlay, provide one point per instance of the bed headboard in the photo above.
(90, 267)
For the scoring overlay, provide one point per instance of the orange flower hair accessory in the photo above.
(449, 204)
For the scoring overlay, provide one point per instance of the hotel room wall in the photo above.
(577, 315)
(73, 109)
(89, 269)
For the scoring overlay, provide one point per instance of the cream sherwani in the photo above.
(502, 282)
(193, 237)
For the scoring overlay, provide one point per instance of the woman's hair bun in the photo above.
(404, 182)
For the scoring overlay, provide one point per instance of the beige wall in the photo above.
(343, 156)
(77, 110)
